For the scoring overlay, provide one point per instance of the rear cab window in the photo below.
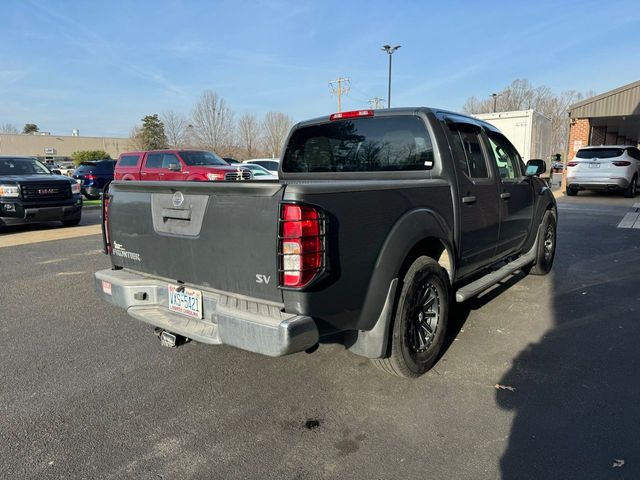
(128, 161)
(368, 144)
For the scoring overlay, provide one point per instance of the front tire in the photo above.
(571, 192)
(420, 321)
(547, 245)
(72, 222)
(631, 190)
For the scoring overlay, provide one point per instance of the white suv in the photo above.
(608, 167)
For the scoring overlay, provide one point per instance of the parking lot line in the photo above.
(26, 238)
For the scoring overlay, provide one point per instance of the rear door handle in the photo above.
(505, 195)
(469, 200)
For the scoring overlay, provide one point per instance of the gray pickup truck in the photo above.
(379, 221)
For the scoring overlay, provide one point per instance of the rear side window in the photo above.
(599, 153)
(128, 161)
(86, 167)
(467, 150)
(154, 160)
(267, 164)
(360, 145)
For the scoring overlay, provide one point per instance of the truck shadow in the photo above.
(576, 402)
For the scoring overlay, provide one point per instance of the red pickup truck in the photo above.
(177, 165)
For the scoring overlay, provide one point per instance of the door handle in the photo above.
(469, 200)
(505, 195)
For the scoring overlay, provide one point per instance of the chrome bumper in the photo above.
(249, 324)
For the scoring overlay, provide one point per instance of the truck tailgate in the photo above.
(217, 235)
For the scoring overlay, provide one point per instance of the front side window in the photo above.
(168, 159)
(506, 158)
(467, 150)
(370, 144)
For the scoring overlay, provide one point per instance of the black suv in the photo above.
(29, 192)
(94, 176)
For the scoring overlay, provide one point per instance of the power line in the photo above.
(340, 86)
(376, 102)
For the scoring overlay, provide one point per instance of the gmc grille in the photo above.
(49, 191)
(246, 175)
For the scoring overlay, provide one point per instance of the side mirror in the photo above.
(174, 167)
(535, 167)
(56, 172)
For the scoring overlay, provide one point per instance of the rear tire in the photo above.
(571, 192)
(631, 190)
(420, 321)
(547, 245)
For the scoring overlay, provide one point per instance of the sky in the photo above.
(100, 66)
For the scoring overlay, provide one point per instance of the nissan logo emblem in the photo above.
(177, 200)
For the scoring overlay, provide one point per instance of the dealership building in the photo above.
(612, 118)
(59, 147)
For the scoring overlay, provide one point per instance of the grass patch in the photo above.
(86, 202)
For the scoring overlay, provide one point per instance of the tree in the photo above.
(30, 128)
(249, 135)
(212, 120)
(89, 155)
(522, 95)
(151, 135)
(8, 128)
(276, 127)
(175, 128)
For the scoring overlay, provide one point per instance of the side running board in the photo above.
(474, 288)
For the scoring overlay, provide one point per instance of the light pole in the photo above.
(495, 99)
(389, 49)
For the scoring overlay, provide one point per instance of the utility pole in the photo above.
(376, 102)
(340, 86)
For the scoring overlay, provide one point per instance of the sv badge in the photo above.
(263, 278)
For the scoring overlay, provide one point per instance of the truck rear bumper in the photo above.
(249, 324)
(606, 183)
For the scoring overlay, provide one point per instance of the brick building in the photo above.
(612, 118)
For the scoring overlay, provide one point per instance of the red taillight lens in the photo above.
(106, 198)
(301, 245)
(353, 114)
(572, 164)
(89, 176)
(621, 163)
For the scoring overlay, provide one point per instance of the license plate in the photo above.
(594, 165)
(185, 301)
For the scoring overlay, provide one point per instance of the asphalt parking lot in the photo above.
(540, 380)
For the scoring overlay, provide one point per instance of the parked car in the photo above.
(260, 173)
(93, 176)
(271, 164)
(30, 193)
(231, 161)
(65, 168)
(177, 165)
(380, 217)
(613, 167)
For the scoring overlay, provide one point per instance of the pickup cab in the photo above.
(176, 165)
(379, 221)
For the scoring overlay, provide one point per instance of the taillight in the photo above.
(89, 176)
(621, 163)
(572, 164)
(301, 246)
(353, 114)
(106, 199)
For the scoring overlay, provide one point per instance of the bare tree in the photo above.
(276, 127)
(135, 139)
(249, 132)
(175, 128)
(8, 128)
(522, 95)
(213, 126)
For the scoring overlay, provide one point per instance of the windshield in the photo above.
(201, 158)
(360, 145)
(22, 166)
(599, 153)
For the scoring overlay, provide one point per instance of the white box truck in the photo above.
(528, 130)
